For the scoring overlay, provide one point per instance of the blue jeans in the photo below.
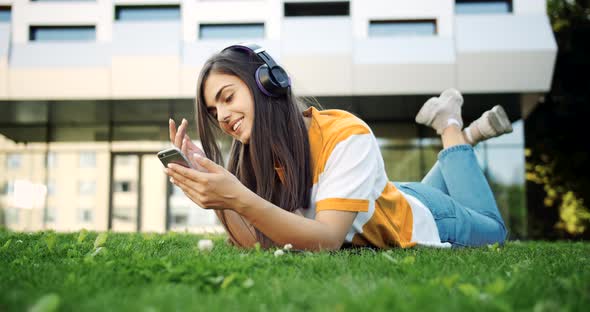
(460, 199)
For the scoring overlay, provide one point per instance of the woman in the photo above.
(316, 179)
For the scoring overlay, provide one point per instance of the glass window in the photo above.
(87, 160)
(85, 215)
(80, 133)
(333, 8)
(180, 220)
(51, 160)
(62, 33)
(14, 160)
(137, 133)
(49, 215)
(25, 112)
(505, 170)
(4, 14)
(51, 187)
(176, 191)
(126, 160)
(402, 28)
(231, 31)
(123, 186)
(9, 187)
(147, 13)
(183, 109)
(79, 112)
(12, 215)
(402, 164)
(24, 133)
(87, 187)
(483, 6)
(122, 213)
(141, 111)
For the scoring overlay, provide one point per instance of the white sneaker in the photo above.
(491, 124)
(437, 112)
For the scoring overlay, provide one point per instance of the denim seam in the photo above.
(426, 201)
(462, 147)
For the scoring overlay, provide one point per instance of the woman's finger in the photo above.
(190, 193)
(178, 171)
(184, 150)
(196, 163)
(193, 147)
(180, 134)
(172, 130)
(197, 197)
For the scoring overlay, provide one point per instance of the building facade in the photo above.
(87, 87)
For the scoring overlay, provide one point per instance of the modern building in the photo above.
(87, 87)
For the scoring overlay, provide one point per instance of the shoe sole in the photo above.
(499, 120)
(426, 114)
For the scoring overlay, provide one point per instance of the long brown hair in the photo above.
(278, 139)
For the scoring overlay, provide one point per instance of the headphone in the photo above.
(270, 77)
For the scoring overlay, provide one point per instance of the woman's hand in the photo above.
(180, 139)
(216, 188)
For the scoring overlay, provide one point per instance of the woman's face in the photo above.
(230, 101)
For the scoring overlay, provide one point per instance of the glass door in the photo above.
(125, 208)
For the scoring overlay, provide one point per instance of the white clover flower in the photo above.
(96, 251)
(205, 245)
(279, 253)
(288, 247)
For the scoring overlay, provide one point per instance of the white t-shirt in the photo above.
(425, 231)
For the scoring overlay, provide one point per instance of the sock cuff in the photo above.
(453, 121)
(468, 135)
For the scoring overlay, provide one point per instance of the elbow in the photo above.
(329, 245)
(335, 244)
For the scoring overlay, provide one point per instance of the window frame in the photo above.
(131, 7)
(432, 21)
(306, 9)
(34, 28)
(510, 4)
(201, 26)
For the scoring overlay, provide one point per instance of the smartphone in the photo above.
(173, 155)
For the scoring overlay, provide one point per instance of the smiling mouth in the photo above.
(237, 125)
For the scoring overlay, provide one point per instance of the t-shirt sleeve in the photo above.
(348, 180)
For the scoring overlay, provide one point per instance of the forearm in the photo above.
(284, 227)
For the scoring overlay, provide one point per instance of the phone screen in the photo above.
(174, 156)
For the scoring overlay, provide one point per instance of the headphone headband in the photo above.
(271, 78)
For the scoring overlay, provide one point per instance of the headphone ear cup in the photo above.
(265, 82)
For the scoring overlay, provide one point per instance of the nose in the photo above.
(222, 114)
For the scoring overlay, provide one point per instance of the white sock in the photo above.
(453, 121)
(467, 132)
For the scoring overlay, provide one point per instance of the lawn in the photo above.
(89, 271)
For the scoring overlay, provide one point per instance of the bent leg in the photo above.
(465, 181)
(456, 223)
(435, 178)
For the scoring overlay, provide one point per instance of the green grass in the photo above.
(150, 272)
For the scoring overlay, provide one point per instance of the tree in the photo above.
(558, 183)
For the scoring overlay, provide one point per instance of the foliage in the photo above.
(558, 184)
(137, 272)
(573, 214)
